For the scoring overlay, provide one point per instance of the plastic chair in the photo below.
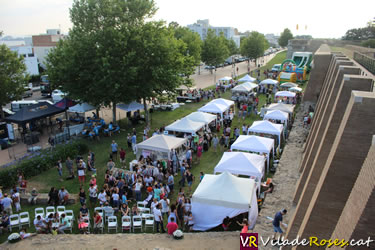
(108, 211)
(14, 221)
(39, 211)
(69, 214)
(137, 222)
(60, 210)
(141, 205)
(112, 223)
(71, 226)
(100, 211)
(150, 222)
(24, 219)
(126, 223)
(145, 213)
(50, 210)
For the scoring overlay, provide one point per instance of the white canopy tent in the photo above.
(223, 101)
(253, 143)
(214, 108)
(219, 196)
(285, 94)
(267, 127)
(201, 117)
(185, 126)
(288, 108)
(184, 87)
(161, 145)
(277, 115)
(269, 81)
(251, 85)
(81, 108)
(225, 78)
(295, 89)
(242, 88)
(133, 106)
(288, 85)
(247, 78)
(242, 163)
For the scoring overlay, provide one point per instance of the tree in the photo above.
(369, 43)
(360, 33)
(285, 36)
(214, 49)
(254, 45)
(13, 77)
(94, 64)
(232, 47)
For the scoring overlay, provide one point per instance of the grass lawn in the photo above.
(101, 148)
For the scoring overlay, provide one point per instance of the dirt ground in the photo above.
(211, 240)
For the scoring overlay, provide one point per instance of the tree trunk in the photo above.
(2, 115)
(114, 113)
(146, 112)
(97, 112)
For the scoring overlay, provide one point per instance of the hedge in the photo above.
(42, 161)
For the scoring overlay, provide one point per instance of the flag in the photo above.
(297, 27)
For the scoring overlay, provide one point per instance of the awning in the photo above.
(81, 108)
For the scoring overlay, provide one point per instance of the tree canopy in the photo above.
(285, 36)
(13, 76)
(112, 55)
(254, 45)
(360, 33)
(214, 49)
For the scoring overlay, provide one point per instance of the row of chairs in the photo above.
(129, 223)
(19, 220)
(51, 210)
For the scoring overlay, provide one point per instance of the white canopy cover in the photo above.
(185, 125)
(285, 94)
(242, 88)
(161, 143)
(281, 106)
(266, 127)
(247, 78)
(241, 163)
(223, 101)
(201, 117)
(251, 85)
(218, 196)
(269, 81)
(225, 78)
(81, 108)
(295, 89)
(288, 85)
(253, 143)
(276, 115)
(215, 108)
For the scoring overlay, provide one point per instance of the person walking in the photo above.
(215, 142)
(158, 218)
(59, 169)
(114, 149)
(134, 142)
(277, 222)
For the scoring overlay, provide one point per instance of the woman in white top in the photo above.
(187, 205)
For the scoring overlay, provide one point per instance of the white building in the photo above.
(29, 58)
(272, 39)
(44, 43)
(202, 27)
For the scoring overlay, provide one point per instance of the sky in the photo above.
(319, 18)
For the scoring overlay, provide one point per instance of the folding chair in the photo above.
(60, 210)
(145, 213)
(50, 210)
(14, 221)
(100, 211)
(112, 223)
(71, 226)
(24, 219)
(126, 223)
(87, 220)
(39, 211)
(108, 211)
(69, 215)
(150, 222)
(141, 205)
(137, 222)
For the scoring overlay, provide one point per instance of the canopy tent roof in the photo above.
(266, 127)
(253, 143)
(247, 78)
(223, 101)
(184, 87)
(241, 88)
(215, 108)
(285, 94)
(251, 85)
(225, 190)
(201, 117)
(65, 103)
(288, 85)
(269, 81)
(81, 108)
(295, 89)
(282, 107)
(185, 125)
(34, 112)
(161, 143)
(276, 115)
(133, 106)
(241, 163)
(225, 78)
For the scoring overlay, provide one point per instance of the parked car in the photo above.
(28, 92)
(57, 95)
(209, 67)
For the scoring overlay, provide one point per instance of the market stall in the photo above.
(160, 147)
(286, 96)
(277, 115)
(185, 126)
(269, 82)
(257, 144)
(201, 117)
(247, 78)
(243, 91)
(288, 108)
(214, 108)
(267, 127)
(219, 196)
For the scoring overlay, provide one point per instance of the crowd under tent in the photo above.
(288, 85)
(161, 146)
(269, 82)
(185, 126)
(295, 89)
(247, 78)
(133, 106)
(201, 117)
(287, 94)
(257, 144)
(267, 127)
(81, 108)
(219, 196)
(241, 163)
(277, 115)
(214, 108)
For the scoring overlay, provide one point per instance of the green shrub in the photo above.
(38, 163)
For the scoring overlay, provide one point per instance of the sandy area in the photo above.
(212, 240)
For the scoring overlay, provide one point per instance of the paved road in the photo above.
(206, 79)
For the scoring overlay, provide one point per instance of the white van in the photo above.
(18, 105)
